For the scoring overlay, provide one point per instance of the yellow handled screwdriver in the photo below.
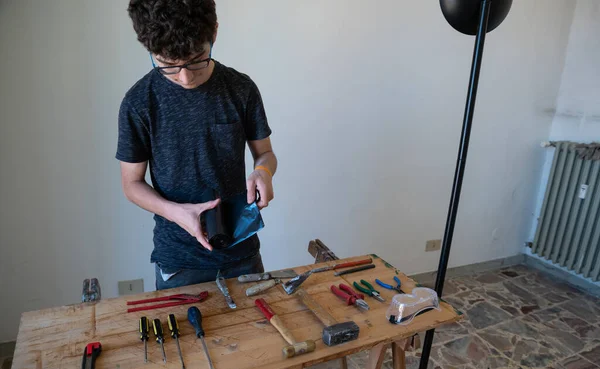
(144, 328)
(160, 338)
(174, 328)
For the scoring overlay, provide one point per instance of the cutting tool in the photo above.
(389, 286)
(366, 288)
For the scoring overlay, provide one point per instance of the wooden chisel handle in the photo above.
(357, 269)
(274, 320)
(352, 263)
(261, 287)
(254, 277)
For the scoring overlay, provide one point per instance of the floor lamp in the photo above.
(471, 17)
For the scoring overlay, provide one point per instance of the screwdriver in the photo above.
(174, 328)
(160, 338)
(144, 328)
(195, 319)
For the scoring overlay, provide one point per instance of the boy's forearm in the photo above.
(146, 197)
(268, 160)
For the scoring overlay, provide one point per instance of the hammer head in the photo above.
(340, 333)
(299, 348)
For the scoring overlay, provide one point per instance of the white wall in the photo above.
(577, 116)
(366, 105)
(578, 109)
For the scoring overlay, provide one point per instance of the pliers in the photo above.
(390, 287)
(179, 299)
(369, 291)
(352, 298)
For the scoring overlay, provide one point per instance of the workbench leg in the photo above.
(376, 356)
(344, 363)
(398, 356)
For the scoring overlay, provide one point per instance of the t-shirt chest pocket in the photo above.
(228, 140)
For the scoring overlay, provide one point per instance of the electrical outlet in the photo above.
(433, 245)
(131, 287)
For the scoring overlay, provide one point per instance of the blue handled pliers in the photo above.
(390, 287)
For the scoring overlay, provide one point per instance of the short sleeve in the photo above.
(134, 138)
(256, 126)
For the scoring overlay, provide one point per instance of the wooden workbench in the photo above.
(237, 339)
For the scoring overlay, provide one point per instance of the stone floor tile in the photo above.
(463, 301)
(523, 343)
(466, 283)
(512, 299)
(577, 362)
(448, 332)
(451, 288)
(490, 277)
(484, 314)
(592, 354)
(468, 352)
(516, 271)
(541, 283)
(586, 309)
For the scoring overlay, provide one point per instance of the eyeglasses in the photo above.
(174, 69)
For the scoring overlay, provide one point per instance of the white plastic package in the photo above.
(405, 307)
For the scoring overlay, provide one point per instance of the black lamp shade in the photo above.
(463, 15)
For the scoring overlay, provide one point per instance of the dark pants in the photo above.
(184, 277)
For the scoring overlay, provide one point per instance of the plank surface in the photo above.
(236, 339)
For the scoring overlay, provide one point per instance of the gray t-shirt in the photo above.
(194, 141)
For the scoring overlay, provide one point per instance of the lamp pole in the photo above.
(461, 161)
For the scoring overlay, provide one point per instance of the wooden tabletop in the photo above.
(236, 339)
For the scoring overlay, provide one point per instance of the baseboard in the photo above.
(429, 277)
(562, 274)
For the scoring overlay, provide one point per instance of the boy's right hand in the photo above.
(187, 216)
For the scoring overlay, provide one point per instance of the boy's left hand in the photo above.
(260, 181)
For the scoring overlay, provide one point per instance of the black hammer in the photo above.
(334, 333)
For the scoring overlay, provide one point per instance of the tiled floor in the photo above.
(514, 318)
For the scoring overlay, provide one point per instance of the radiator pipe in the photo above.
(460, 166)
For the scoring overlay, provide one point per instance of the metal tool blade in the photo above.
(224, 290)
(162, 347)
(180, 355)
(256, 277)
(362, 304)
(286, 273)
(322, 269)
(210, 363)
(290, 286)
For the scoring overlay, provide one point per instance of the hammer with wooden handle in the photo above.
(295, 348)
(334, 333)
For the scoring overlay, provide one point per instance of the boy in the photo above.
(189, 119)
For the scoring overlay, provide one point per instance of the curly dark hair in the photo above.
(174, 29)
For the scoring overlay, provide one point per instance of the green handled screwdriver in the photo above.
(160, 337)
(195, 319)
(144, 328)
(174, 328)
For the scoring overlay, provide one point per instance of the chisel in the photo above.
(343, 265)
(364, 267)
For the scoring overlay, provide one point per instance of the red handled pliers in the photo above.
(179, 299)
(352, 298)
